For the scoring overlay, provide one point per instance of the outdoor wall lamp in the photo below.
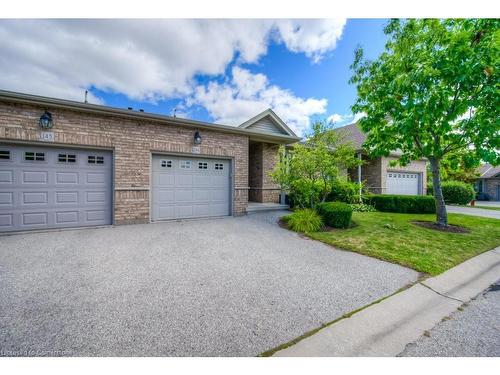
(45, 120)
(197, 138)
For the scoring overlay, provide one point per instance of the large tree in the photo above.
(433, 91)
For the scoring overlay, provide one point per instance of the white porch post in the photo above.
(359, 175)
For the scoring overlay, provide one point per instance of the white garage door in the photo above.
(188, 187)
(42, 187)
(402, 183)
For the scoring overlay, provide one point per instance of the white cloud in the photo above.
(335, 118)
(144, 59)
(248, 94)
(346, 119)
(313, 37)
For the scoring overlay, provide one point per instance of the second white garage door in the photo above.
(402, 183)
(189, 187)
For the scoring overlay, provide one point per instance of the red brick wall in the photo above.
(133, 141)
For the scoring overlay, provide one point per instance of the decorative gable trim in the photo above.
(265, 121)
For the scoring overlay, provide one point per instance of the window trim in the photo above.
(37, 156)
(5, 153)
(66, 158)
(97, 159)
(168, 163)
(185, 164)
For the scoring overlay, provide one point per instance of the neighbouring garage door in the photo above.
(402, 183)
(187, 187)
(44, 187)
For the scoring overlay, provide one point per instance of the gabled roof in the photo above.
(488, 171)
(269, 120)
(352, 133)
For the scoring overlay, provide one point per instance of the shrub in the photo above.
(456, 192)
(336, 214)
(305, 221)
(362, 207)
(413, 204)
(344, 191)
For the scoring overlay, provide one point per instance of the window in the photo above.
(219, 166)
(185, 164)
(166, 163)
(390, 174)
(202, 165)
(66, 158)
(35, 156)
(4, 155)
(92, 159)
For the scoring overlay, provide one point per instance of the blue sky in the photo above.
(221, 71)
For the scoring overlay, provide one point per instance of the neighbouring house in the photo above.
(488, 183)
(377, 174)
(71, 164)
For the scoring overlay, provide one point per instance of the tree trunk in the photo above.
(441, 214)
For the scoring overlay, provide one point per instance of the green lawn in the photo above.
(425, 250)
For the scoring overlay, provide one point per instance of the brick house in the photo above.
(377, 174)
(72, 164)
(488, 183)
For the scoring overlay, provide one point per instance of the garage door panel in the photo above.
(55, 193)
(201, 195)
(184, 211)
(6, 199)
(95, 215)
(96, 178)
(166, 212)
(35, 218)
(183, 181)
(196, 190)
(6, 176)
(6, 220)
(67, 197)
(200, 210)
(164, 180)
(66, 178)
(67, 217)
(35, 177)
(96, 197)
(35, 197)
(203, 181)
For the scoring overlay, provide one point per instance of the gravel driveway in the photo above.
(219, 287)
(472, 332)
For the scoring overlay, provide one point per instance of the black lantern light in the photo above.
(197, 138)
(45, 120)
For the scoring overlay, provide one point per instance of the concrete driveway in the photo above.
(474, 211)
(219, 287)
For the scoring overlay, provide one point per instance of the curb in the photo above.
(385, 328)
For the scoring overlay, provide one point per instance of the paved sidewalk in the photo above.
(472, 331)
(474, 211)
(385, 328)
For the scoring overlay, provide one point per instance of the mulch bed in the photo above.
(450, 228)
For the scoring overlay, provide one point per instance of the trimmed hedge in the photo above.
(456, 192)
(335, 214)
(412, 204)
(344, 191)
